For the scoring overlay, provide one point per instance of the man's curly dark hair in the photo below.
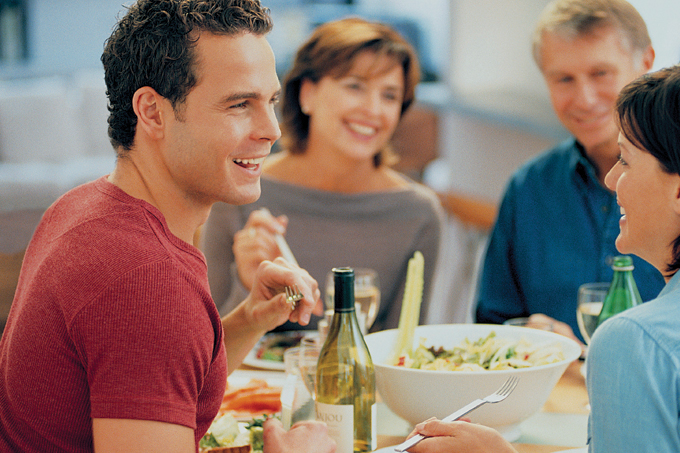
(153, 45)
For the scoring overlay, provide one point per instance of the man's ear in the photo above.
(648, 59)
(148, 106)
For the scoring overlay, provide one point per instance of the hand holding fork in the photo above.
(496, 397)
(282, 244)
(293, 296)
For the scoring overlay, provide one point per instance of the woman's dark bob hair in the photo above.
(331, 51)
(649, 117)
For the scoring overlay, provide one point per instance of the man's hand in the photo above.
(266, 305)
(303, 437)
(556, 326)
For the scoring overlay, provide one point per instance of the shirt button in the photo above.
(605, 209)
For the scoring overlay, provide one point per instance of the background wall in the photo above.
(491, 97)
(492, 104)
(499, 113)
(65, 36)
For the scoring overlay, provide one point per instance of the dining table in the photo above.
(560, 425)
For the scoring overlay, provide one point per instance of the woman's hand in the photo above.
(459, 437)
(303, 437)
(255, 243)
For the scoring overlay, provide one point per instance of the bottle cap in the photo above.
(343, 272)
(344, 288)
(622, 263)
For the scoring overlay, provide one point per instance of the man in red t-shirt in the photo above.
(113, 342)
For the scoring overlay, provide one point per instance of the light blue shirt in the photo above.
(634, 378)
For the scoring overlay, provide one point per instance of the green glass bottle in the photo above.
(623, 292)
(345, 376)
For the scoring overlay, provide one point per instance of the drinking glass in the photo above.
(528, 322)
(366, 295)
(309, 356)
(589, 305)
(300, 363)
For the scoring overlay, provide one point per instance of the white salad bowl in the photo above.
(416, 395)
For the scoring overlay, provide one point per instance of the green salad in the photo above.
(226, 431)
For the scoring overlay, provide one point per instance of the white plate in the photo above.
(573, 450)
(240, 378)
(254, 361)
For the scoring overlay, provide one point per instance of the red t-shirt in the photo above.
(112, 318)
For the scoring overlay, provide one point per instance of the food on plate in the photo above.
(487, 353)
(274, 345)
(255, 398)
(227, 435)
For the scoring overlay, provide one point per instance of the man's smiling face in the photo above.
(227, 125)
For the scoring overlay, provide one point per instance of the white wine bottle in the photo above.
(345, 377)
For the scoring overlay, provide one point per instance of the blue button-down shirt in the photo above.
(555, 230)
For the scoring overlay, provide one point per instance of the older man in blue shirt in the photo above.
(557, 222)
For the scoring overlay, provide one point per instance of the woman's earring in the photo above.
(305, 109)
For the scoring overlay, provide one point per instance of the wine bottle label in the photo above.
(340, 421)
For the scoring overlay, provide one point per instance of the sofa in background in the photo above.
(53, 137)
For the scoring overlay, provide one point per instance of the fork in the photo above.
(293, 295)
(285, 249)
(496, 397)
(282, 244)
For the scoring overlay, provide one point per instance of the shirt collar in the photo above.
(582, 165)
(672, 284)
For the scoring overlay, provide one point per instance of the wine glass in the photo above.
(589, 305)
(366, 296)
(528, 322)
